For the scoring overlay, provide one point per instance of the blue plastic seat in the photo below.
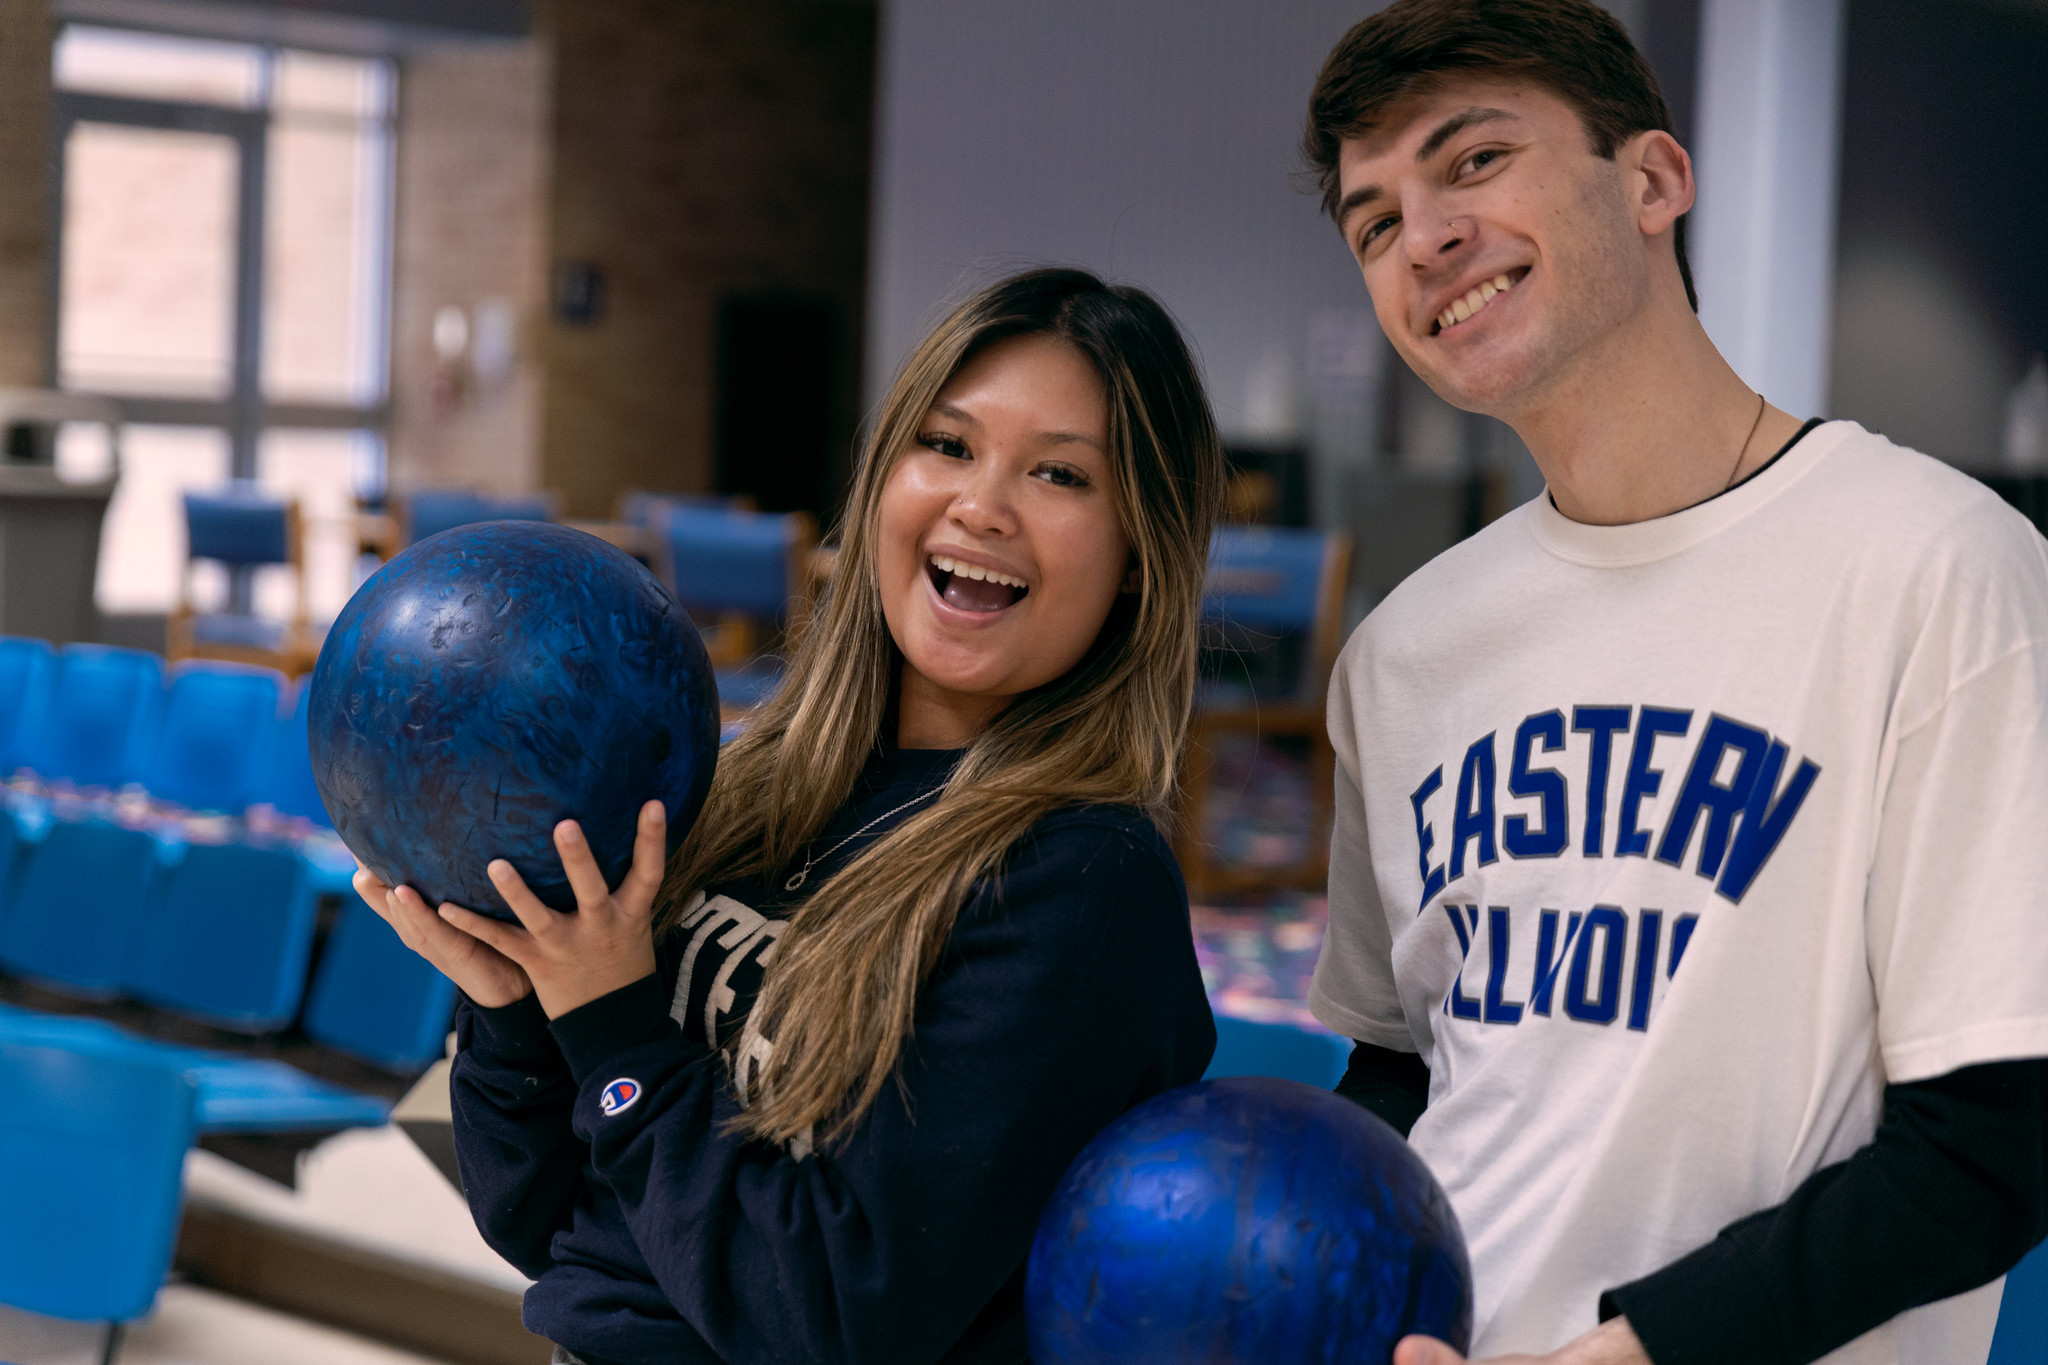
(287, 782)
(1268, 585)
(1246, 1048)
(288, 787)
(102, 716)
(1272, 621)
(236, 1094)
(638, 507)
(27, 668)
(719, 561)
(429, 511)
(376, 999)
(92, 885)
(219, 720)
(87, 887)
(740, 575)
(92, 1150)
(229, 942)
(747, 686)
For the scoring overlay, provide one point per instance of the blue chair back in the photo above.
(101, 718)
(720, 561)
(218, 722)
(376, 999)
(288, 775)
(92, 1152)
(430, 511)
(86, 888)
(637, 507)
(1267, 578)
(229, 943)
(2022, 1334)
(26, 669)
(1245, 1048)
(239, 525)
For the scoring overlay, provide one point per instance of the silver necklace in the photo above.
(797, 879)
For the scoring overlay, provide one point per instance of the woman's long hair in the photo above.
(840, 995)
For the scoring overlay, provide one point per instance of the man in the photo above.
(1692, 820)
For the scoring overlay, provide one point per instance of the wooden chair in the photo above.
(1272, 591)
(429, 511)
(242, 529)
(744, 577)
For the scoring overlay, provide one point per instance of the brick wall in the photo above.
(25, 35)
(699, 148)
(471, 232)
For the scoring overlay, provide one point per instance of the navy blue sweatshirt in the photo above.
(1067, 993)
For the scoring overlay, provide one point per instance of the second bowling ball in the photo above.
(1250, 1220)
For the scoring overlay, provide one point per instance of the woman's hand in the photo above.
(483, 973)
(1613, 1342)
(608, 943)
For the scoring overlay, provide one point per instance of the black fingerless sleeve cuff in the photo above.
(591, 1035)
(515, 1035)
(1706, 1308)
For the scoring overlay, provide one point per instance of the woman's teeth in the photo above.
(1473, 302)
(954, 566)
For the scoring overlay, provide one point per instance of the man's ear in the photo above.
(1658, 174)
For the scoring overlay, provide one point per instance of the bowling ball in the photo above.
(1251, 1220)
(493, 680)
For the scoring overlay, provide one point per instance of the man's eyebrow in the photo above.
(1431, 145)
(1454, 125)
(1355, 201)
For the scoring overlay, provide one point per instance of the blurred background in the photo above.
(287, 284)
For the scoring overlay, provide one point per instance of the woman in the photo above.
(804, 1098)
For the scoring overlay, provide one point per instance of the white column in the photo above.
(1766, 149)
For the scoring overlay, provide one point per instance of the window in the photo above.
(223, 274)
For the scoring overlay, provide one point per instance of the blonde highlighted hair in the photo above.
(839, 999)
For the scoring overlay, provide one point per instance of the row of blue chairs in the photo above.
(163, 840)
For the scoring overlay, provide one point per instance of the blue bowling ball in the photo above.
(493, 680)
(1250, 1220)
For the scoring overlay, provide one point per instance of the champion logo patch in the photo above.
(621, 1095)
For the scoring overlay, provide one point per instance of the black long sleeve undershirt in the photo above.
(1948, 1195)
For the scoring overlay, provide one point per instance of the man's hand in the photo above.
(608, 943)
(1611, 1343)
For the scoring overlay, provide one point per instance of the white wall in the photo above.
(1151, 140)
(1770, 90)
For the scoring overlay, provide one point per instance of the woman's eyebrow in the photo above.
(1043, 438)
(1060, 438)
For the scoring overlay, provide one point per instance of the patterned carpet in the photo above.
(1259, 951)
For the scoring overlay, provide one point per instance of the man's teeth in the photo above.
(954, 566)
(1473, 301)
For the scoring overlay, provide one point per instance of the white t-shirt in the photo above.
(1796, 737)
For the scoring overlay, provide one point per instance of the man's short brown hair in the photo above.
(1573, 48)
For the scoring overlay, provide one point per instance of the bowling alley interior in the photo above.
(290, 286)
